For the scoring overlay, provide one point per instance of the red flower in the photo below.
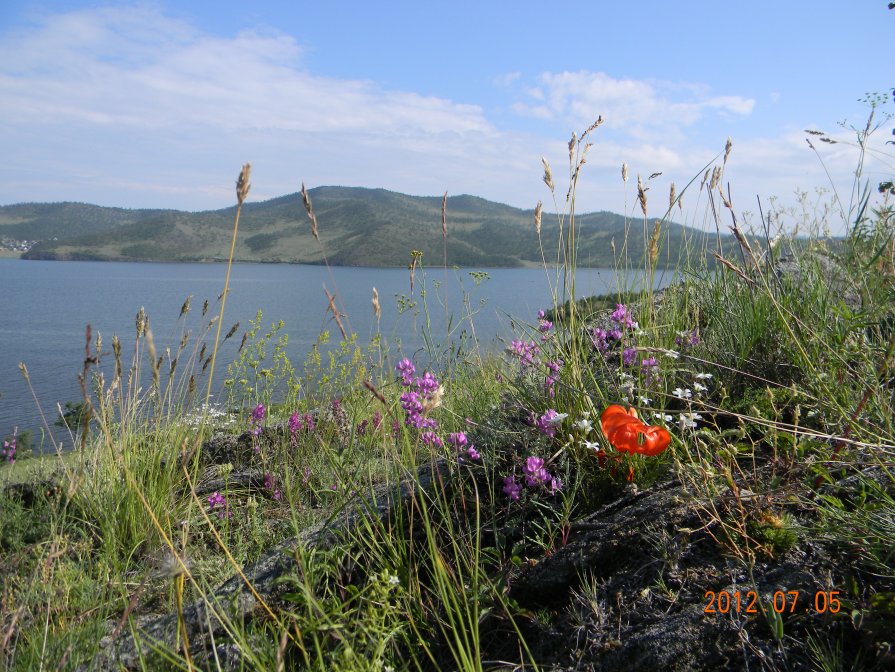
(628, 434)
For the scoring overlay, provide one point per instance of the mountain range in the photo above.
(357, 227)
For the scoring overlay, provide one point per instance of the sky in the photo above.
(159, 104)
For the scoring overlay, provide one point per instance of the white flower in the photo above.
(591, 445)
(645, 400)
(663, 416)
(703, 376)
(584, 425)
(682, 394)
(557, 419)
(699, 387)
(688, 420)
(393, 580)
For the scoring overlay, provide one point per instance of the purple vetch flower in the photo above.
(553, 368)
(535, 472)
(650, 369)
(526, 352)
(218, 502)
(511, 488)
(600, 339)
(687, 339)
(270, 483)
(256, 420)
(622, 317)
(629, 356)
(555, 485)
(458, 439)
(473, 454)
(294, 424)
(429, 438)
(547, 423)
(8, 452)
(406, 369)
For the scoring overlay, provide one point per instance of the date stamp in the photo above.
(788, 602)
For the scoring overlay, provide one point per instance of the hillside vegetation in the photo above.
(363, 227)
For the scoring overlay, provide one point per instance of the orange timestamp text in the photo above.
(726, 601)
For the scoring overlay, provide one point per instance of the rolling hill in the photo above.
(358, 227)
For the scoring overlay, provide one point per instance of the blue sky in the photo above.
(158, 104)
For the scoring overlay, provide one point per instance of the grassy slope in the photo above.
(359, 226)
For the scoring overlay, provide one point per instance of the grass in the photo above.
(776, 390)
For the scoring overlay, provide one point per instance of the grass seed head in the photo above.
(548, 175)
(242, 183)
(538, 208)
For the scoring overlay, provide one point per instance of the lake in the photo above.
(46, 305)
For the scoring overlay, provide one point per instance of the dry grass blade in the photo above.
(654, 243)
(310, 210)
(444, 215)
(332, 307)
(733, 268)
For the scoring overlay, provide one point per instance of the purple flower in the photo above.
(458, 439)
(526, 352)
(650, 369)
(8, 452)
(622, 317)
(629, 355)
(294, 424)
(546, 424)
(430, 438)
(270, 483)
(555, 485)
(406, 369)
(256, 419)
(473, 454)
(511, 488)
(258, 413)
(535, 473)
(218, 502)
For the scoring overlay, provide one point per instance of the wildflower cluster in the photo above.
(547, 423)
(544, 326)
(298, 423)
(525, 352)
(423, 396)
(461, 443)
(623, 324)
(8, 452)
(535, 476)
(256, 420)
(270, 483)
(218, 502)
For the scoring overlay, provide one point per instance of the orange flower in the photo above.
(628, 434)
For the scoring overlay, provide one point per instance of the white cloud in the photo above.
(642, 109)
(132, 67)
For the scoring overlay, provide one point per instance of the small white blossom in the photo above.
(699, 387)
(703, 376)
(584, 425)
(591, 445)
(663, 416)
(645, 400)
(688, 420)
(682, 394)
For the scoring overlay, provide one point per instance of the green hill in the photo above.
(358, 227)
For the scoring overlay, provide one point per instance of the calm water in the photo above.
(45, 306)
